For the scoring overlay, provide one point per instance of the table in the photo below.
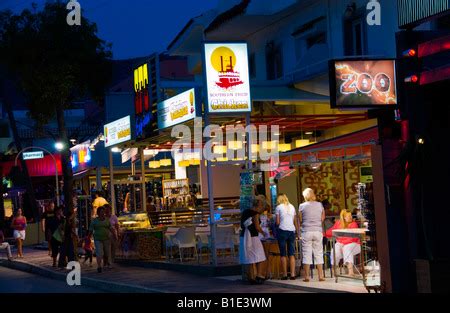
(352, 233)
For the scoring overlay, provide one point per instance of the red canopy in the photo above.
(37, 167)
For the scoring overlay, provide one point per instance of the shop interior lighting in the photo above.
(269, 145)
(309, 133)
(235, 145)
(222, 159)
(115, 150)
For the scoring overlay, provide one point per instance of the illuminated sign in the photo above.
(362, 83)
(142, 101)
(227, 77)
(178, 109)
(117, 132)
(33, 155)
(80, 156)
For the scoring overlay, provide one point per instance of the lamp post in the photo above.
(54, 160)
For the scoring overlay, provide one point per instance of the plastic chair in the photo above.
(168, 236)
(185, 239)
(202, 237)
(225, 238)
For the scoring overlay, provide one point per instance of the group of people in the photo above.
(306, 225)
(64, 244)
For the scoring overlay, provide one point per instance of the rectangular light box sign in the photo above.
(176, 110)
(117, 132)
(227, 77)
(363, 83)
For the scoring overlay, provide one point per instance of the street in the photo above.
(13, 281)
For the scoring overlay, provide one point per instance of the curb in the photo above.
(103, 285)
(302, 288)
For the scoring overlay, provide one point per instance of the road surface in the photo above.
(13, 281)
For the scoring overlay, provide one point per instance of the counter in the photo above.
(141, 244)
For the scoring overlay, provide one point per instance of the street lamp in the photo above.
(59, 146)
(54, 160)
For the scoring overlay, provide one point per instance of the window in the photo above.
(4, 129)
(320, 38)
(252, 65)
(354, 35)
(274, 61)
(308, 35)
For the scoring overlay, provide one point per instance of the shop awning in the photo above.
(283, 93)
(38, 167)
(352, 146)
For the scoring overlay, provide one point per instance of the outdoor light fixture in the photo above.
(220, 149)
(283, 147)
(165, 162)
(254, 148)
(154, 164)
(269, 145)
(59, 146)
(73, 141)
(410, 53)
(194, 162)
(421, 141)
(115, 150)
(302, 143)
(412, 79)
(184, 163)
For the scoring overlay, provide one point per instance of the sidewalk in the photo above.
(132, 279)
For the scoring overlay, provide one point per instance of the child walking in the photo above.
(88, 247)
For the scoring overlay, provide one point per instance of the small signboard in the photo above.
(33, 155)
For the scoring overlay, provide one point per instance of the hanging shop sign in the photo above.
(33, 155)
(227, 77)
(129, 153)
(146, 97)
(176, 110)
(118, 131)
(81, 156)
(357, 83)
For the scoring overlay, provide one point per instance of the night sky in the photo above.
(135, 27)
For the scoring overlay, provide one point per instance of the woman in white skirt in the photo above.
(251, 250)
(19, 223)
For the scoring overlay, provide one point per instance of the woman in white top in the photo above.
(312, 215)
(288, 226)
